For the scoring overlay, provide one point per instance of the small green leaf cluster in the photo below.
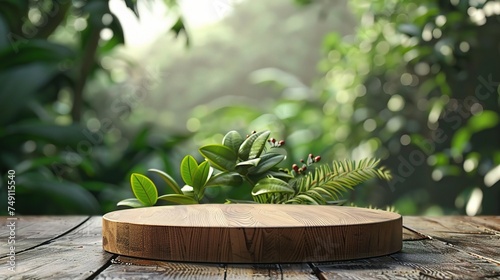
(196, 177)
(247, 158)
(255, 160)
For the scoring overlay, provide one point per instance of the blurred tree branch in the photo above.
(86, 63)
(57, 14)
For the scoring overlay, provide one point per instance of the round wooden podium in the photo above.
(252, 233)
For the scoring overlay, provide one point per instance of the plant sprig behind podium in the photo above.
(255, 159)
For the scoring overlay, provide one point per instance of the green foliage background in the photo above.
(414, 84)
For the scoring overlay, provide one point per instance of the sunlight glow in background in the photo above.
(156, 19)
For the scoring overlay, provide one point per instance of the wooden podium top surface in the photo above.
(250, 215)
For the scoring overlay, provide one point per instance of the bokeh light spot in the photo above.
(405, 139)
(193, 124)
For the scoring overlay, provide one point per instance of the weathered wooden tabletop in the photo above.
(70, 247)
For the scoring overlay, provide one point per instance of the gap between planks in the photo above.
(103, 267)
(50, 239)
(456, 231)
(75, 254)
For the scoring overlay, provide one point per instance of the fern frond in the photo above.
(328, 183)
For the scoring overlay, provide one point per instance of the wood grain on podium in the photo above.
(252, 233)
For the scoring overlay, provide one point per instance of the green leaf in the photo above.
(267, 162)
(63, 196)
(131, 202)
(244, 150)
(187, 190)
(219, 156)
(232, 140)
(239, 201)
(168, 179)
(12, 11)
(251, 162)
(188, 169)
(244, 166)
(275, 173)
(179, 27)
(200, 179)
(271, 185)
(72, 134)
(253, 146)
(35, 163)
(225, 179)
(487, 119)
(178, 199)
(132, 5)
(460, 140)
(259, 144)
(34, 51)
(279, 174)
(303, 199)
(144, 189)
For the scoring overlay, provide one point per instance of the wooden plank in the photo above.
(31, 231)
(424, 259)
(133, 268)
(297, 271)
(441, 260)
(248, 271)
(75, 255)
(409, 234)
(252, 233)
(488, 223)
(376, 268)
(466, 233)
